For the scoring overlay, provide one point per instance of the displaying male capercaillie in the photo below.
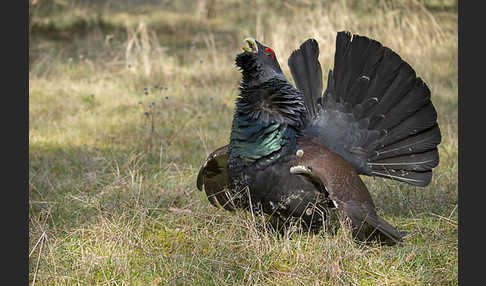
(298, 152)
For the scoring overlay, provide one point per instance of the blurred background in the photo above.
(126, 99)
(105, 53)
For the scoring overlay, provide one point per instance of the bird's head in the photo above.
(257, 62)
(265, 93)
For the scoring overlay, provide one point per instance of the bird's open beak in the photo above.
(252, 46)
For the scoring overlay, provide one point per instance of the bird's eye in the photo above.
(270, 52)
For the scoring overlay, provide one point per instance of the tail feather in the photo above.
(341, 68)
(377, 105)
(328, 99)
(420, 121)
(373, 58)
(419, 179)
(418, 143)
(357, 59)
(396, 91)
(415, 99)
(362, 83)
(412, 162)
(385, 75)
(307, 73)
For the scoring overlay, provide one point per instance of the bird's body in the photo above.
(263, 144)
(295, 153)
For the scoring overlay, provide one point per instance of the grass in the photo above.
(126, 102)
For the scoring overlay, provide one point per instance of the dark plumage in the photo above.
(298, 153)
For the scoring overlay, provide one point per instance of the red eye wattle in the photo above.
(271, 52)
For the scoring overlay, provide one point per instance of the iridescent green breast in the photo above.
(264, 127)
(258, 144)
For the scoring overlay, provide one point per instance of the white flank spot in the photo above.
(300, 153)
(300, 170)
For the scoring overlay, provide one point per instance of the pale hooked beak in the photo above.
(252, 46)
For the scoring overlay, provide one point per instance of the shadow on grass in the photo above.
(128, 164)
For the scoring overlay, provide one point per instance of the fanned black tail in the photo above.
(375, 112)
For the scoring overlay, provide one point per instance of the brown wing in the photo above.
(213, 177)
(346, 190)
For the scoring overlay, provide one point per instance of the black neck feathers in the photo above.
(265, 125)
(275, 100)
